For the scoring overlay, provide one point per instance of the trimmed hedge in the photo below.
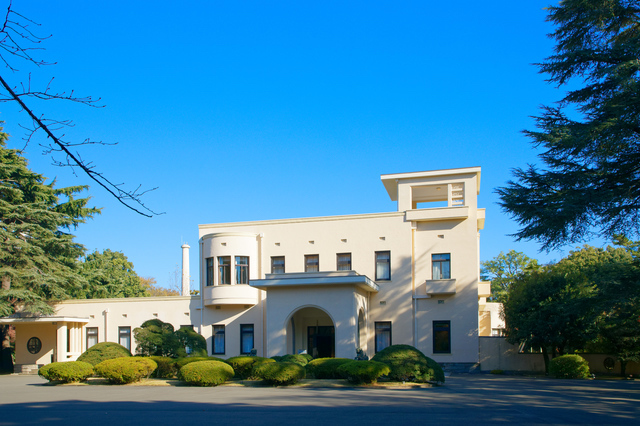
(243, 365)
(326, 368)
(126, 370)
(102, 352)
(167, 368)
(409, 364)
(569, 367)
(66, 372)
(206, 373)
(279, 373)
(181, 362)
(363, 371)
(301, 359)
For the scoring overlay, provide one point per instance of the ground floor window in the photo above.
(246, 338)
(218, 339)
(442, 337)
(92, 336)
(383, 335)
(124, 337)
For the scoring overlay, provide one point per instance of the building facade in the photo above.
(326, 286)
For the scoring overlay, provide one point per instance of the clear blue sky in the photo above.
(250, 110)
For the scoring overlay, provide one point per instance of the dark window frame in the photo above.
(224, 270)
(127, 334)
(386, 261)
(350, 268)
(245, 332)
(442, 262)
(214, 350)
(209, 271)
(375, 329)
(91, 330)
(273, 259)
(307, 258)
(242, 270)
(438, 328)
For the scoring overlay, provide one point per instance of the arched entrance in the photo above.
(312, 330)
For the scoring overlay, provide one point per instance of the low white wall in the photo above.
(497, 354)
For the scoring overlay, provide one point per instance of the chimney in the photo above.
(185, 270)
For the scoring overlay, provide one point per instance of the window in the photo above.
(242, 270)
(383, 335)
(209, 272)
(124, 337)
(218, 339)
(311, 263)
(224, 270)
(344, 262)
(277, 265)
(246, 338)
(92, 336)
(442, 337)
(441, 264)
(383, 265)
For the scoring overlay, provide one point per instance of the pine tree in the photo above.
(38, 257)
(591, 180)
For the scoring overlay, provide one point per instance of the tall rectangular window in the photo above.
(246, 338)
(92, 336)
(383, 265)
(224, 270)
(442, 337)
(124, 337)
(218, 339)
(242, 270)
(277, 264)
(383, 335)
(311, 263)
(209, 272)
(344, 261)
(441, 264)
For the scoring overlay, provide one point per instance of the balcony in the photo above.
(484, 289)
(437, 213)
(239, 294)
(440, 287)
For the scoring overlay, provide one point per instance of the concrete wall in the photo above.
(497, 354)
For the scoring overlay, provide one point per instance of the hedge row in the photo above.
(66, 372)
(206, 373)
(126, 370)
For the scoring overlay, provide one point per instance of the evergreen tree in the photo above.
(109, 274)
(38, 257)
(591, 176)
(503, 270)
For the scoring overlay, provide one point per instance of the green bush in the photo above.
(102, 352)
(126, 370)
(497, 371)
(188, 338)
(206, 373)
(243, 365)
(308, 357)
(409, 364)
(277, 358)
(569, 367)
(296, 359)
(325, 368)
(279, 373)
(167, 368)
(181, 362)
(363, 371)
(66, 372)
(156, 338)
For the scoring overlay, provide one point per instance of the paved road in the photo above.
(472, 399)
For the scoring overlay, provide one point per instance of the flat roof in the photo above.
(390, 181)
(24, 320)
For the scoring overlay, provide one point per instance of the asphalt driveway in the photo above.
(472, 399)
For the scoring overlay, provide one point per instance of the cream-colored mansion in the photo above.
(324, 285)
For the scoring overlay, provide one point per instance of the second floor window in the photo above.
(277, 265)
(209, 272)
(383, 265)
(344, 261)
(311, 263)
(224, 270)
(242, 270)
(441, 266)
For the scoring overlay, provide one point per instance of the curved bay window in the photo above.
(242, 270)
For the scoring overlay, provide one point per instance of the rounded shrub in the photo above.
(279, 373)
(296, 359)
(569, 367)
(277, 358)
(126, 370)
(326, 368)
(102, 352)
(181, 362)
(243, 365)
(363, 371)
(167, 368)
(409, 364)
(206, 373)
(66, 372)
